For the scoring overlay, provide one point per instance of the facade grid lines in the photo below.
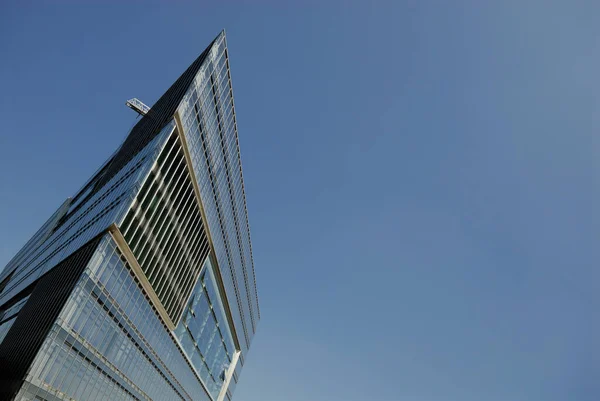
(140, 286)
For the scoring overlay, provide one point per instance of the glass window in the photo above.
(4, 327)
(205, 320)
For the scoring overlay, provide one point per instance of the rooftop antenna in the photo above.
(138, 106)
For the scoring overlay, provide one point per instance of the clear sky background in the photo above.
(422, 179)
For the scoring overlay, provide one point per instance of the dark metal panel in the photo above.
(34, 321)
(157, 117)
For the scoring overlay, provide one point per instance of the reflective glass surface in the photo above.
(5, 326)
(109, 343)
(208, 118)
(204, 332)
(93, 216)
(165, 232)
(13, 310)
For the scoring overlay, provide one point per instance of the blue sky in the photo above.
(422, 179)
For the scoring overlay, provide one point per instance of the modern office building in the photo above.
(141, 286)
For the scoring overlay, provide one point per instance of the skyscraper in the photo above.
(141, 286)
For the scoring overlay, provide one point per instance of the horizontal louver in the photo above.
(165, 232)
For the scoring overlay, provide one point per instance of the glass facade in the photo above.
(142, 285)
(208, 118)
(204, 333)
(80, 225)
(165, 232)
(5, 326)
(7, 317)
(108, 336)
